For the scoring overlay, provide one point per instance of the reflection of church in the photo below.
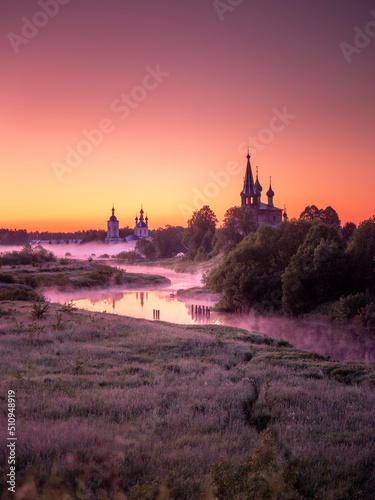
(265, 213)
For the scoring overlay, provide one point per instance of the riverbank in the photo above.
(183, 265)
(70, 275)
(107, 404)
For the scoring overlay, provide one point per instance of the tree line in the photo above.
(302, 266)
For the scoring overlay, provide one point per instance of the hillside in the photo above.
(106, 403)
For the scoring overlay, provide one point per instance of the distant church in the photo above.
(113, 229)
(141, 225)
(140, 229)
(250, 197)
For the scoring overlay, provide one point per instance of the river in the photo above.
(339, 342)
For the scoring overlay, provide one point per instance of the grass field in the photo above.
(69, 275)
(115, 407)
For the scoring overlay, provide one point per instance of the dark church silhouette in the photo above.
(264, 213)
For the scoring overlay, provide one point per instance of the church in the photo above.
(265, 213)
(140, 229)
(113, 229)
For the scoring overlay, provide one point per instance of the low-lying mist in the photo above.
(341, 342)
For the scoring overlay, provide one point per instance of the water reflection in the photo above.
(344, 343)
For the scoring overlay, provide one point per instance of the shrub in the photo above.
(40, 310)
(64, 262)
(6, 278)
(18, 294)
(347, 308)
(262, 475)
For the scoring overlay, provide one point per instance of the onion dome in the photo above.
(257, 185)
(270, 192)
(113, 217)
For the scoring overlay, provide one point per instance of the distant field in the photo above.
(108, 404)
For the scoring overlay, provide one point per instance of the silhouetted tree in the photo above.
(146, 248)
(199, 233)
(317, 273)
(238, 222)
(348, 231)
(13, 237)
(125, 231)
(168, 241)
(361, 250)
(327, 215)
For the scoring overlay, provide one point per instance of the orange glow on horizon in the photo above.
(271, 78)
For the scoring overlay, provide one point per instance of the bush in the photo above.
(130, 256)
(28, 255)
(366, 317)
(263, 475)
(40, 310)
(348, 307)
(64, 262)
(18, 294)
(6, 278)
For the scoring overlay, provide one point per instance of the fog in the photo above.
(83, 251)
(340, 342)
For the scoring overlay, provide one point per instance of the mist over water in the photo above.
(83, 251)
(339, 342)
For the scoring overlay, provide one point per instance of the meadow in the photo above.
(26, 281)
(111, 407)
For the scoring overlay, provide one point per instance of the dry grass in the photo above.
(108, 404)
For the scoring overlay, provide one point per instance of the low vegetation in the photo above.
(24, 281)
(118, 408)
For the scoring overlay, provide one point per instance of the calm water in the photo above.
(344, 343)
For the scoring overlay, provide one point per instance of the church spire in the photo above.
(248, 190)
(285, 215)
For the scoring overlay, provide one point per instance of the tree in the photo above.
(348, 231)
(330, 216)
(317, 273)
(146, 248)
(311, 212)
(168, 241)
(361, 251)
(250, 275)
(327, 215)
(199, 233)
(238, 222)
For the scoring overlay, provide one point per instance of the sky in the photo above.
(155, 103)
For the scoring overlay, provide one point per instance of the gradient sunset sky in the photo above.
(224, 74)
